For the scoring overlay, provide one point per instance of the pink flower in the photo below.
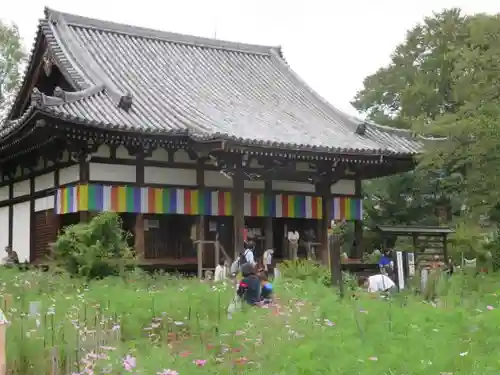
(489, 307)
(167, 372)
(200, 362)
(129, 363)
(373, 358)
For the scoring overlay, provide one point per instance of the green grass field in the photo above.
(165, 325)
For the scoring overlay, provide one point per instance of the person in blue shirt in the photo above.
(386, 264)
(266, 289)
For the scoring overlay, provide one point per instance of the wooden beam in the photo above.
(238, 208)
(139, 241)
(268, 225)
(358, 224)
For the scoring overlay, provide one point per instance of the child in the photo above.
(220, 271)
(249, 287)
(266, 289)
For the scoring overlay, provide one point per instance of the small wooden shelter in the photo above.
(189, 139)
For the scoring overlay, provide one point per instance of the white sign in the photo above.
(400, 265)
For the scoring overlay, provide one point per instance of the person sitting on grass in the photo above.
(249, 287)
(377, 284)
(266, 289)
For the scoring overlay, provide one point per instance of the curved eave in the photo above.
(229, 141)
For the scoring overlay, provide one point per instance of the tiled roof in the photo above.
(206, 88)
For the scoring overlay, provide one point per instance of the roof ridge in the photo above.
(143, 32)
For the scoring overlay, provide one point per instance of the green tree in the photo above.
(443, 80)
(11, 58)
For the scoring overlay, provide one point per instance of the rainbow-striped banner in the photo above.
(93, 197)
(143, 199)
(281, 205)
(347, 208)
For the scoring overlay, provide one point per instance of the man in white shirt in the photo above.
(267, 259)
(293, 243)
(378, 284)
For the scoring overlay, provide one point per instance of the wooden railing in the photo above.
(200, 249)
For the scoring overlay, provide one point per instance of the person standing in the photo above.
(293, 243)
(267, 259)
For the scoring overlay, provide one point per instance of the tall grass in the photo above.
(149, 325)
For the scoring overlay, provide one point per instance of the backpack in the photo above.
(243, 258)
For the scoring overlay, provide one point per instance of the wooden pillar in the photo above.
(358, 224)
(139, 242)
(33, 231)
(84, 179)
(11, 211)
(238, 198)
(327, 215)
(268, 226)
(200, 224)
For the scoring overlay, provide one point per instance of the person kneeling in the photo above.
(378, 284)
(266, 289)
(249, 287)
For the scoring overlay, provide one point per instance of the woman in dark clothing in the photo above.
(249, 287)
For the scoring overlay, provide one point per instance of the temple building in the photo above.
(189, 139)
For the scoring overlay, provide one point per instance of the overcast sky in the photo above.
(332, 44)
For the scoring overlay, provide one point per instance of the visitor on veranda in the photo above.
(378, 284)
(249, 287)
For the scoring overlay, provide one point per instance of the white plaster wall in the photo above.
(181, 156)
(343, 187)
(21, 231)
(217, 179)
(4, 194)
(160, 154)
(4, 227)
(299, 187)
(254, 184)
(122, 153)
(170, 176)
(45, 203)
(103, 152)
(302, 166)
(112, 172)
(21, 188)
(44, 181)
(69, 174)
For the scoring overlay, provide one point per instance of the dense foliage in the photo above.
(94, 249)
(11, 58)
(442, 81)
